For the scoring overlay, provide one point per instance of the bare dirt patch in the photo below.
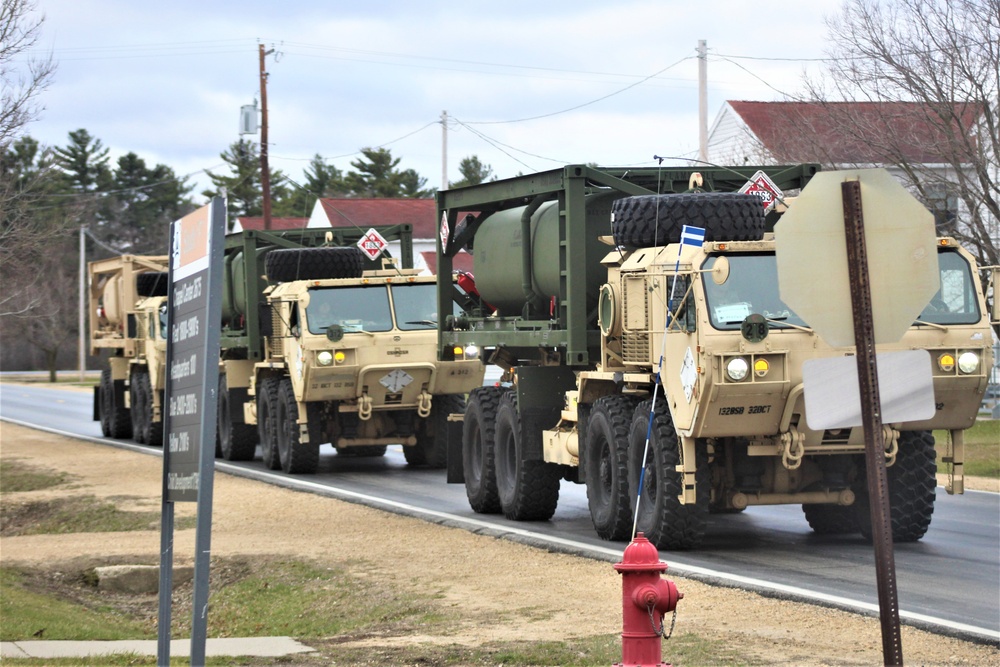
(501, 591)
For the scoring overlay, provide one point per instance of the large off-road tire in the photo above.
(119, 419)
(267, 427)
(528, 490)
(649, 220)
(144, 429)
(237, 442)
(478, 460)
(431, 449)
(666, 522)
(363, 451)
(103, 388)
(912, 482)
(314, 263)
(154, 429)
(831, 519)
(296, 457)
(137, 407)
(153, 283)
(606, 466)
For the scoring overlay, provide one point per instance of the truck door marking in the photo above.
(689, 374)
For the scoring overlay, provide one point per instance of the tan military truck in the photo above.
(347, 355)
(127, 297)
(590, 332)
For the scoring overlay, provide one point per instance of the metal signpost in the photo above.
(823, 270)
(194, 306)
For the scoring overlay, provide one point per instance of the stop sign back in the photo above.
(811, 250)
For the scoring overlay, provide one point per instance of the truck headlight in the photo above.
(968, 362)
(471, 351)
(325, 358)
(737, 369)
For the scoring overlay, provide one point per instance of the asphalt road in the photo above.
(948, 582)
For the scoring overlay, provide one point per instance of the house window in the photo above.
(944, 206)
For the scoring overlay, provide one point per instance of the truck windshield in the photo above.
(752, 287)
(354, 308)
(416, 306)
(955, 302)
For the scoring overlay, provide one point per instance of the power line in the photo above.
(585, 104)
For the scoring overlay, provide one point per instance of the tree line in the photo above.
(51, 195)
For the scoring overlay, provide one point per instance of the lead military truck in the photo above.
(321, 345)
(584, 288)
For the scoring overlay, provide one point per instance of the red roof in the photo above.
(365, 213)
(460, 262)
(812, 131)
(276, 223)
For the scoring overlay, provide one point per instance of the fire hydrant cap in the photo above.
(641, 554)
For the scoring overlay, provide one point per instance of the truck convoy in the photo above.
(614, 332)
(318, 344)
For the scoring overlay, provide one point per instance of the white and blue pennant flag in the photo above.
(692, 236)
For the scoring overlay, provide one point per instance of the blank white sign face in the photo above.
(833, 397)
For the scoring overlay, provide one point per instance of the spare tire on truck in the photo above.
(151, 283)
(314, 263)
(645, 221)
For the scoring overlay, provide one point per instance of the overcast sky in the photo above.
(527, 85)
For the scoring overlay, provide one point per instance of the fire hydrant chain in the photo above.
(660, 632)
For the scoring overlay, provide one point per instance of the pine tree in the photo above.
(473, 172)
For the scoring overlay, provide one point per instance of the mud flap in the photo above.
(97, 402)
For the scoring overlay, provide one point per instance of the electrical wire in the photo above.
(585, 104)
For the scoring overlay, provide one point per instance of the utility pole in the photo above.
(702, 100)
(444, 150)
(265, 172)
(82, 320)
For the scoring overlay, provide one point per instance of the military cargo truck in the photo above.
(321, 345)
(613, 333)
(127, 297)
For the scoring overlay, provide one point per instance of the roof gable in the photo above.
(256, 223)
(365, 213)
(810, 131)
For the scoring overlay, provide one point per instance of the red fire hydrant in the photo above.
(646, 597)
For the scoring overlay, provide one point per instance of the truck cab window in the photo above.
(955, 302)
(416, 306)
(752, 287)
(356, 309)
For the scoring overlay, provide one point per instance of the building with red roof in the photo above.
(365, 213)
(844, 135)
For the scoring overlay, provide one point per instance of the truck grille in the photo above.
(635, 309)
(276, 327)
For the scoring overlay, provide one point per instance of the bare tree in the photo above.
(21, 87)
(44, 312)
(931, 71)
(25, 169)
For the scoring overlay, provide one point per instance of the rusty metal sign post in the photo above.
(878, 481)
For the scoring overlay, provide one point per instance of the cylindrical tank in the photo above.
(234, 290)
(498, 259)
(112, 299)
